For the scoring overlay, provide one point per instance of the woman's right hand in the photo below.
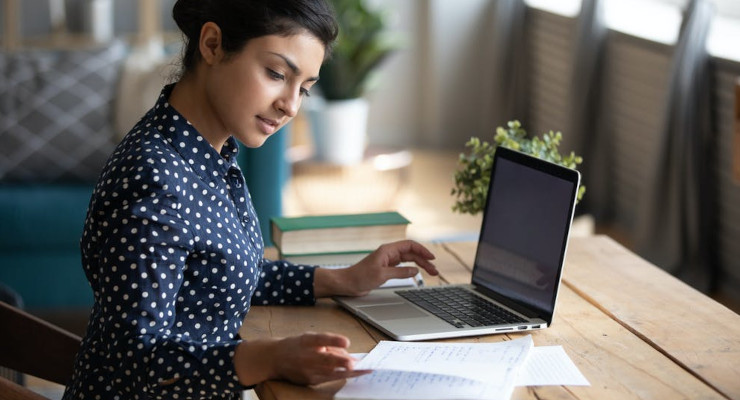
(307, 359)
(373, 270)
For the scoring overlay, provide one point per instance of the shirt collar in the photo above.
(189, 143)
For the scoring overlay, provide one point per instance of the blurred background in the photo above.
(646, 91)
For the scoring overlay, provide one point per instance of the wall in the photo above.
(431, 93)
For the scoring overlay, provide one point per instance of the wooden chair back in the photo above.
(35, 347)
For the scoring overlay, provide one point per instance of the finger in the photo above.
(325, 339)
(348, 374)
(430, 268)
(344, 374)
(336, 375)
(400, 272)
(424, 263)
(412, 246)
(409, 250)
(421, 250)
(338, 350)
(329, 361)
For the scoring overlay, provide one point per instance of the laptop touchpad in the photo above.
(393, 311)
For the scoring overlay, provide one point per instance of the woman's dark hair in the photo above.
(242, 20)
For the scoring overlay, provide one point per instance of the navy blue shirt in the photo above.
(174, 254)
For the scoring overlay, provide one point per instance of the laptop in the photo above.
(518, 262)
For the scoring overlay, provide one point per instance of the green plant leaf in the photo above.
(362, 45)
(474, 168)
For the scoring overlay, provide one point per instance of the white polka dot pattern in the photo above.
(174, 255)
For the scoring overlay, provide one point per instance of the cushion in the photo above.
(42, 217)
(46, 280)
(56, 112)
(144, 73)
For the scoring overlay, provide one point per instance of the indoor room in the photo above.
(642, 97)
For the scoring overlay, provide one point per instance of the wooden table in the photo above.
(634, 331)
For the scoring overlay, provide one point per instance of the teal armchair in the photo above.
(41, 225)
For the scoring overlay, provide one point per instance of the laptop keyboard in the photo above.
(459, 307)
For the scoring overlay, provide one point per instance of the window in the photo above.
(725, 30)
(568, 8)
(728, 8)
(655, 20)
(660, 21)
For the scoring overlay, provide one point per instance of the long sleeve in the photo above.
(282, 282)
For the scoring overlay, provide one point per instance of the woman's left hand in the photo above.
(373, 270)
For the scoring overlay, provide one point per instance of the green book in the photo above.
(337, 233)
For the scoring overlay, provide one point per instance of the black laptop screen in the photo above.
(525, 230)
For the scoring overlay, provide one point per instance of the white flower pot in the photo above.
(340, 130)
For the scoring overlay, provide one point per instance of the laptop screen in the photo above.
(525, 229)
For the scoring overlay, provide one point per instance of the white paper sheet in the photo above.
(550, 365)
(407, 370)
(544, 366)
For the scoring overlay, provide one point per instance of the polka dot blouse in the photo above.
(174, 254)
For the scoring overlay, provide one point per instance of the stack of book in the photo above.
(335, 240)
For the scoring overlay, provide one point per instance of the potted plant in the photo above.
(474, 173)
(340, 123)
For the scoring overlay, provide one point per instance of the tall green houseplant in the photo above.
(339, 124)
(362, 45)
(474, 168)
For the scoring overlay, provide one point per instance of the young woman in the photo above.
(172, 246)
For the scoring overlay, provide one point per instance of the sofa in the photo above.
(61, 115)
